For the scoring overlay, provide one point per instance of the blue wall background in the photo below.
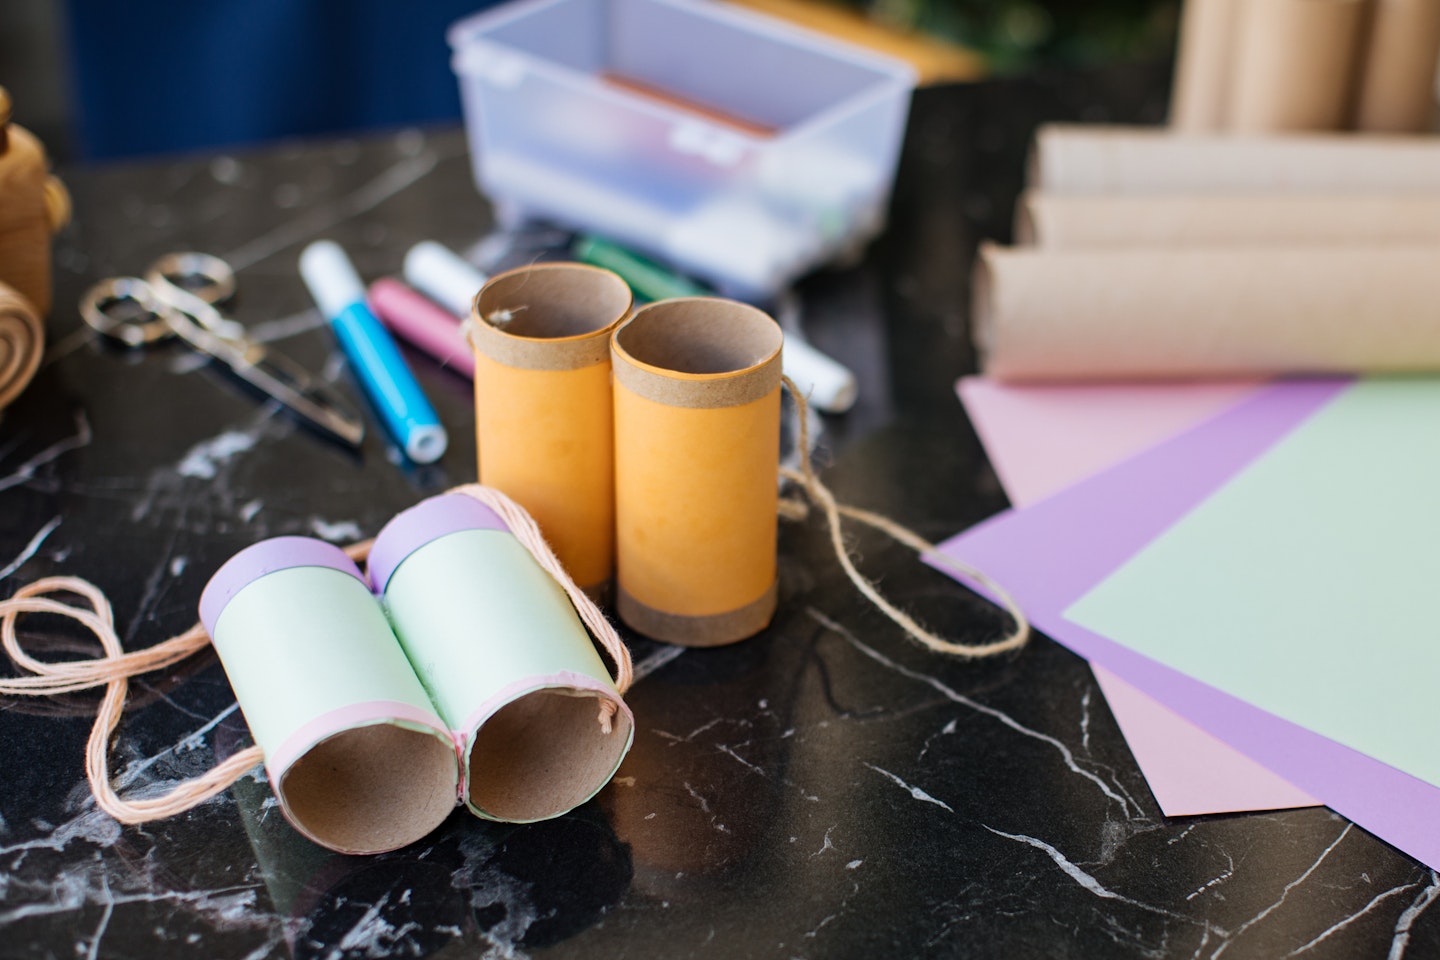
(159, 76)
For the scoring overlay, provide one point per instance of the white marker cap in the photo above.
(331, 277)
(443, 275)
(827, 384)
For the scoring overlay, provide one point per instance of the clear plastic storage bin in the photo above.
(737, 147)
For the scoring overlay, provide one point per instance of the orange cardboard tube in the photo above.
(1081, 159)
(1397, 74)
(1071, 222)
(543, 409)
(1295, 64)
(1200, 95)
(1217, 312)
(697, 446)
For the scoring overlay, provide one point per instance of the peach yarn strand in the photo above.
(112, 671)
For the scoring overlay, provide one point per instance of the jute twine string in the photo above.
(114, 669)
(820, 494)
(523, 526)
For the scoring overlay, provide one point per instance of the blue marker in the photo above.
(372, 353)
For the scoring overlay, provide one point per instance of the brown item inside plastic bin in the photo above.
(705, 111)
(543, 754)
(371, 789)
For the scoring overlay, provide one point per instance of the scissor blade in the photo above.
(292, 385)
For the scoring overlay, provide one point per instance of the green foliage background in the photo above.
(1021, 34)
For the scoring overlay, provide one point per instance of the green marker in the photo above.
(829, 384)
(646, 278)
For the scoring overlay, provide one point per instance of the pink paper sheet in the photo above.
(1041, 439)
(1051, 553)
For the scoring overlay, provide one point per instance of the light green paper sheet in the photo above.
(476, 614)
(1309, 585)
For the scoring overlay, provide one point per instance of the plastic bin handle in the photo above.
(695, 138)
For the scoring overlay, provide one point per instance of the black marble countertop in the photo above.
(826, 789)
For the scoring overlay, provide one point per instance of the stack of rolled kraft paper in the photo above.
(1234, 250)
(1266, 65)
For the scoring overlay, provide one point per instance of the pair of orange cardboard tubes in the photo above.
(645, 443)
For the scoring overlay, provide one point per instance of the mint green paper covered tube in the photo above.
(357, 756)
(507, 662)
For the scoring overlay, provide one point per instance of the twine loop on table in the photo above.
(112, 670)
(820, 495)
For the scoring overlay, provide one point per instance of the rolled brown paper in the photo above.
(1200, 95)
(1206, 312)
(697, 449)
(22, 341)
(543, 410)
(1396, 88)
(1295, 64)
(1059, 222)
(1084, 159)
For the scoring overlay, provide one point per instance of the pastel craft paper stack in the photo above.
(1056, 551)
(1042, 439)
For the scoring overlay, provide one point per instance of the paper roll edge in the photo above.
(22, 343)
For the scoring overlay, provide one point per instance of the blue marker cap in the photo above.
(377, 362)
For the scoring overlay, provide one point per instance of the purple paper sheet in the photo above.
(1050, 554)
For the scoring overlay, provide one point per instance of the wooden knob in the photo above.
(57, 204)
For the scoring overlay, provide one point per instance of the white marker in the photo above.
(443, 275)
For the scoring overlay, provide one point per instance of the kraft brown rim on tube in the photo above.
(543, 414)
(697, 447)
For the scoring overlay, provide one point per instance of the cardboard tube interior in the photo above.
(549, 301)
(700, 335)
(22, 341)
(370, 789)
(543, 754)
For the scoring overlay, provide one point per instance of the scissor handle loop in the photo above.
(216, 278)
(99, 302)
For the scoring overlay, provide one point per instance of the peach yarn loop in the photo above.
(114, 668)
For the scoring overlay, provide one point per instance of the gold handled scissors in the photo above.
(179, 297)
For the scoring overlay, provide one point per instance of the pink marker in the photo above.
(422, 322)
